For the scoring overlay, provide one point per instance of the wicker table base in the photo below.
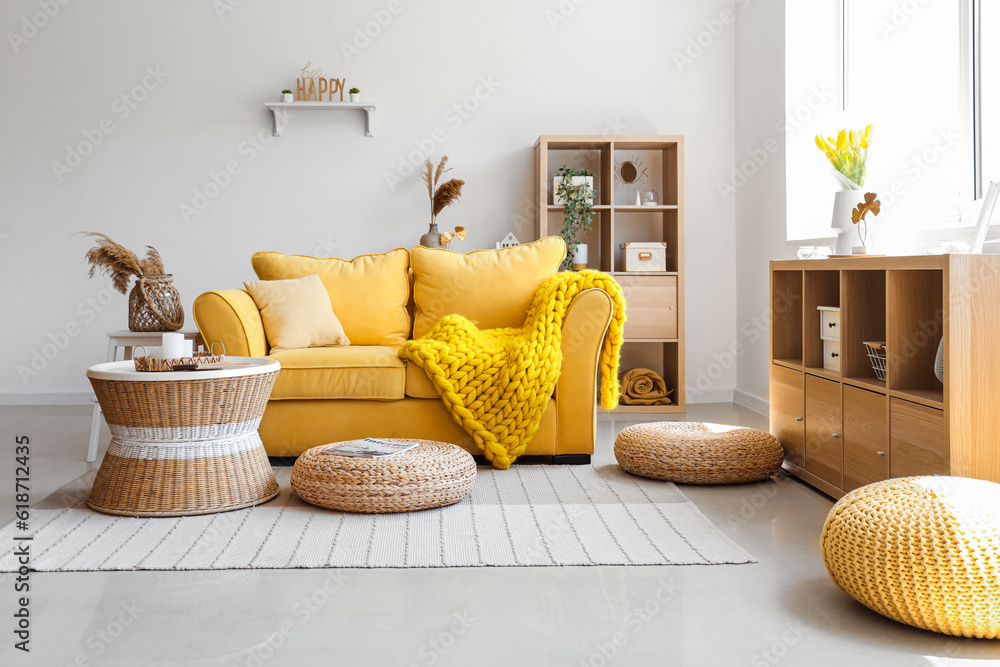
(431, 475)
(182, 443)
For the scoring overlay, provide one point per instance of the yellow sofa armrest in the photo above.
(584, 328)
(230, 315)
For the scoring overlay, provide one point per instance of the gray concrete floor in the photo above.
(783, 610)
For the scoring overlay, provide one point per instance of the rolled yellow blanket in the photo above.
(642, 386)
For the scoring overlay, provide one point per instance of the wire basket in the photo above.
(876, 354)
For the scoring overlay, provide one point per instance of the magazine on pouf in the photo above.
(369, 448)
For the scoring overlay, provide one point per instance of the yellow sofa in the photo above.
(326, 394)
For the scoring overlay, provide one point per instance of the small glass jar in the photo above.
(649, 198)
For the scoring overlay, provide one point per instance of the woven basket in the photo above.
(694, 453)
(153, 365)
(155, 305)
(924, 551)
(431, 475)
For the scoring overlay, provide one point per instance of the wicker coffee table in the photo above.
(431, 475)
(183, 443)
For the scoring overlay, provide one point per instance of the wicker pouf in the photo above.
(924, 551)
(431, 475)
(694, 453)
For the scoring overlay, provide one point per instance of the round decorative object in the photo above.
(939, 362)
(924, 551)
(433, 474)
(155, 305)
(695, 453)
(183, 444)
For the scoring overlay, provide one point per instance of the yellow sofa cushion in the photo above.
(369, 293)
(296, 313)
(490, 287)
(363, 372)
(418, 385)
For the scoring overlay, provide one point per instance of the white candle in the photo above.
(173, 345)
(580, 256)
(152, 352)
(188, 347)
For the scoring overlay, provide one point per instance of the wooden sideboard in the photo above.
(842, 429)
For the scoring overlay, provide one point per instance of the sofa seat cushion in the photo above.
(364, 372)
(418, 385)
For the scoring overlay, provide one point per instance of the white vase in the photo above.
(355, 98)
(287, 97)
(580, 258)
(844, 202)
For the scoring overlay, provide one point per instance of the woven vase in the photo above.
(155, 305)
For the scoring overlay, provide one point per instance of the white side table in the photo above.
(128, 341)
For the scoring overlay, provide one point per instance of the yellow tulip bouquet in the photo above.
(848, 154)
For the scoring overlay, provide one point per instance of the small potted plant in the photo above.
(287, 96)
(574, 190)
(355, 95)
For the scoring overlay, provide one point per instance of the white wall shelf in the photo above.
(278, 110)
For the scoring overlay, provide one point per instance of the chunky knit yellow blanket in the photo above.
(497, 382)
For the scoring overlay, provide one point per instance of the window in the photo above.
(917, 71)
(986, 108)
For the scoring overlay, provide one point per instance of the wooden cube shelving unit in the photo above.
(654, 331)
(848, 428)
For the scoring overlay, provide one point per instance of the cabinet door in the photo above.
(824, 446)
(652, 306)
(917, 445)
(866, 437)
(788, 412)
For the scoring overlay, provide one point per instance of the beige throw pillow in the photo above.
(297, 313)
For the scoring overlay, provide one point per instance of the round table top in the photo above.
(125, 371)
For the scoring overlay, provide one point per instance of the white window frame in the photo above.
(971, 87)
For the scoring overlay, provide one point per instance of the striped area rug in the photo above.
(530, 515)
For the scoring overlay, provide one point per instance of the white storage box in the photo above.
(831, 355)
(651, 256)
(829, 331)
(829, 322)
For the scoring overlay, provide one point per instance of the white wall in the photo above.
(558, 67)
(761, 124)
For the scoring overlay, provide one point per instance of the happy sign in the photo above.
(311, 85)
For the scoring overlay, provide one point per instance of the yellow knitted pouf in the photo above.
(924, 551)
(695, 453)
